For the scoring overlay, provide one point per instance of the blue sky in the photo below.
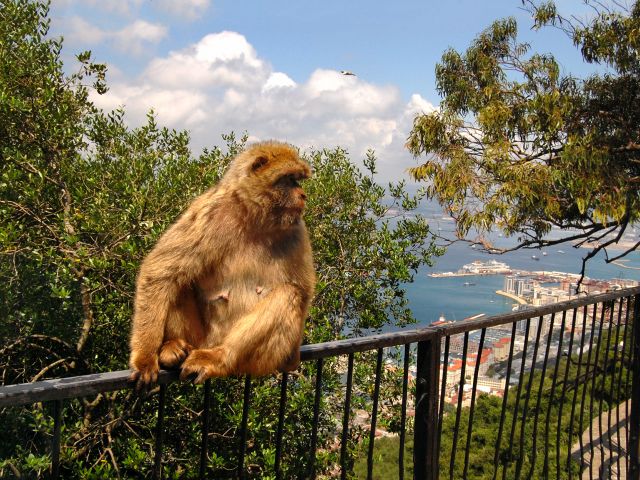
(271, 68)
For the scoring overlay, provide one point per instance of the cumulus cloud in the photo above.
(221, 84)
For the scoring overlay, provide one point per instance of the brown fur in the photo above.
(227, 287)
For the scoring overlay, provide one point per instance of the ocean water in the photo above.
(430, 297)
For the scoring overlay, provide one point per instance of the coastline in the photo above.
(516, 298)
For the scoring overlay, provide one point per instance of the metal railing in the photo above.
(568, 366)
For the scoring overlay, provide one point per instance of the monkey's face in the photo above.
(289, 195)
(271, 183)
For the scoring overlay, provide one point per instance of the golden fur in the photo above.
(227, 287)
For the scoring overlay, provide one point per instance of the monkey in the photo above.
(227, 287)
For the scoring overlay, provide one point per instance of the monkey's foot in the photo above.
(292, 362)
(205, 363)
(173, 352)
(145, 371)
(291, 365)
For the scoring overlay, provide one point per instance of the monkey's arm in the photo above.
(266, 339)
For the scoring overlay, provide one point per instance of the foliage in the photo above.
(519, 146)
(385, 460)
(83, 197)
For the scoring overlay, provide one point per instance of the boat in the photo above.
(544, 254)
(488, 267)
(468, 284)
(560, 251)
(533, 257)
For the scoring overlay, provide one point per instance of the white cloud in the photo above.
(133, 38)
(220, 84)
(187, 9)
(118, 7)
(136, 35)
(223, 59)
(226, 47)
(278, 80)
(78, 30)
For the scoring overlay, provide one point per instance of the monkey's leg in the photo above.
(183, 331)
(266, 339)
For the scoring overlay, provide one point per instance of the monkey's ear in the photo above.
(258, 163)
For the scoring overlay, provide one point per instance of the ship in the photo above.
(490, 267)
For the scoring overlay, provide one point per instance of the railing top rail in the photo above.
(72, 387)
(507, 318)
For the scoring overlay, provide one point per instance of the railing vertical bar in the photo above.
(476, 373)
(316, 417)
(514, 417)
(403, 412)
(345, 419)
(425, 460)
(576, 389)
(443, 391)
(622, 388)
(504, 401)
(55, 442)
(584, 393)
(374, 415)
(556, 369)
(603, 384)
(534, 451)
(613, 386)
(628, 378)
(243, 426)
(563, 395)
(527, 396)
(157, 464)
(593, 389)
(280, 431)
(204, 445)
(454, 447)
(634, 420)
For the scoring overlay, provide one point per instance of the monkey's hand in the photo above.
(145, 370)
(205, 363)
(173, 353)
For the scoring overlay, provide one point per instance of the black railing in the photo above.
(570, 368)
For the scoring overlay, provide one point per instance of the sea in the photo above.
(431, 298)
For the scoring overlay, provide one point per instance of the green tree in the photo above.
(519, 146)
(83, 197)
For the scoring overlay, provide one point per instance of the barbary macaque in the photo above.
(228, 286)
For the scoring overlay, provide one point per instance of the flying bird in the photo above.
(347, 72)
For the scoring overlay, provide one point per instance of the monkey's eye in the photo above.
(289, 181)
(293, 181)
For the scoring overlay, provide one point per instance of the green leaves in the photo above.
(520, 147)
(367, 243)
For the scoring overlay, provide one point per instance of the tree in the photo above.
(518, 146)
(83, 197)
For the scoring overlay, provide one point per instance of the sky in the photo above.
(272, 68)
